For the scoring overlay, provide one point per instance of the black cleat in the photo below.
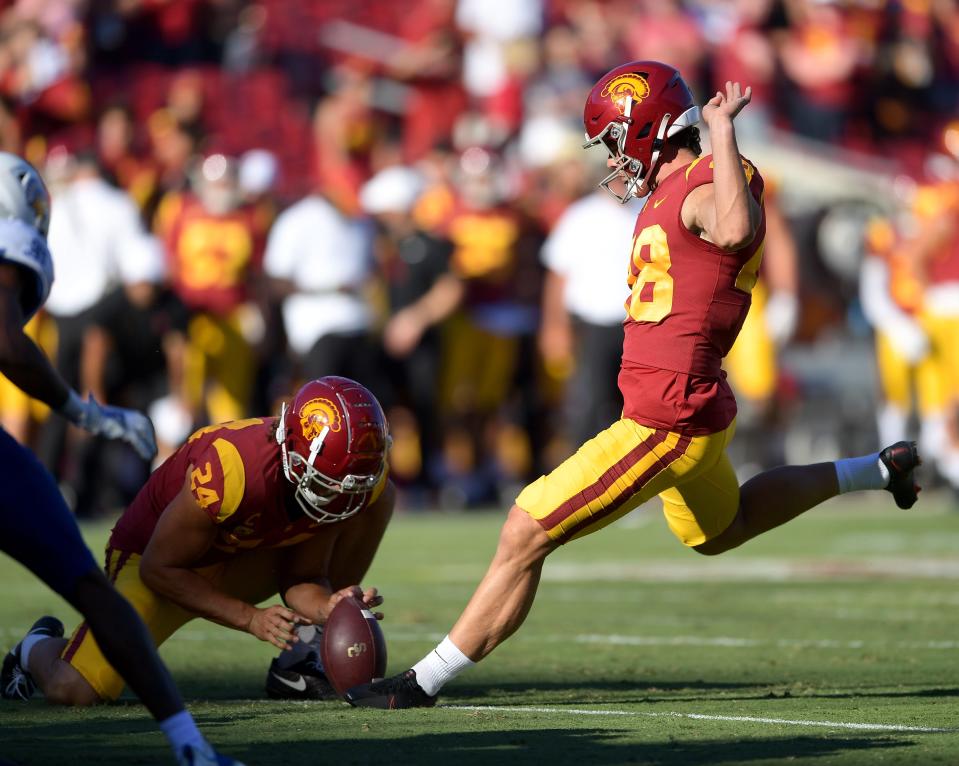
(392, 693)
(15, 682)
(902, 459)
(304, 680)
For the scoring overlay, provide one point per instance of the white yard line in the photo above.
(722, 642)
(735, 642)
(200, 634)
(732, 569)
(701, 717)
(753, 570)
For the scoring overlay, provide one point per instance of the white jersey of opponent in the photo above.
(23, 245)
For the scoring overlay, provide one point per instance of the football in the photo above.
(353, 648)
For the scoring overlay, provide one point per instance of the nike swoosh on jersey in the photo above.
(298, 685)
(659, 202)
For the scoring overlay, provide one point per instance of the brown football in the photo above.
(353, 648)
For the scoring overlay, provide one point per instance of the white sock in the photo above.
(933, 435)
(892, 423)
(180, 729)
(444, 663)
(867, 472)
(26, 646)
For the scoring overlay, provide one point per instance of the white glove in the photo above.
(907, 337)
(782, 316)
(131, 426)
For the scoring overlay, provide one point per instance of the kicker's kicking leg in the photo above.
(777, 496)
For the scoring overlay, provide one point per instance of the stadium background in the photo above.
(210, 119)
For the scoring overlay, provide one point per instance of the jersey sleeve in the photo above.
(218, 480)
(700, 172)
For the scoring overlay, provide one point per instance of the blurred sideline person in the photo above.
(214, 246)
(319, 262)
(752, 362)
(421, 292)
(935, 252)
(36, 528)
(293, 506)
(583, 295)
(695, 259)
(489, 360)
(92, 227)
(891, 292)
(133, 355)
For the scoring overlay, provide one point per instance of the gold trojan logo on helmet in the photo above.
(623, 86)
(318, 414)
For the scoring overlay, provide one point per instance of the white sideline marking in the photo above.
(703, 717)
(753, 570)
(724, 642)
(731, 642)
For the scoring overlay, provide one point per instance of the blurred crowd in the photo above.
(249, 194)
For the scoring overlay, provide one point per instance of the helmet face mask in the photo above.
(632, 110)
(315, 491)
(333, 440)
(629, 169)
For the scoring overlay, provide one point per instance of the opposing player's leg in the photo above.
(48, 542)
(38, 530)
(610, 475)
(78, 671)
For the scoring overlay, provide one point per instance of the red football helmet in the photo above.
(333, 440)
(632, 110)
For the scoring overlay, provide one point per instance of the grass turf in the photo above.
(637, 651)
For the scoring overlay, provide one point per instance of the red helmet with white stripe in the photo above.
(333, 440)
(632, 110)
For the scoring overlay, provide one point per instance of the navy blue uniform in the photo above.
(36, 527)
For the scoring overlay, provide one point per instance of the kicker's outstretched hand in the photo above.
(725, 106)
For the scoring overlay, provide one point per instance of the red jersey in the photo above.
(933, 202)
(495, 256)
(212, 257)
(235, 474)
(904, 286)
(688, 302)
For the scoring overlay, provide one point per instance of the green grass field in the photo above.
(834, 640)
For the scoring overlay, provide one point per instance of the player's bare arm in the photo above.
(183, 534)
(724, 212)
(308, 582)
(405, 329)
(20, 359)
